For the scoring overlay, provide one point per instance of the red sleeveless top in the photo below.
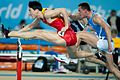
(69, 36)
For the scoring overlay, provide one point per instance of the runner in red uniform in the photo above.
(64, 36)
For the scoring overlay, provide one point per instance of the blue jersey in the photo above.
(100, 32)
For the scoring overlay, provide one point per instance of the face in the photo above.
(113, 13)
(82, 12)
(114, 35)
(33, 13)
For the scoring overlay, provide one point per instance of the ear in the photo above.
(36, 10)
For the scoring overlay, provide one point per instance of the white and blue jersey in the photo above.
(100, 32)
(102, 43)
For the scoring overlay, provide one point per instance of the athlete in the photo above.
(102, 40)
(64, 36)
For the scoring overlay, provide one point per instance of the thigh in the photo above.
(87, 37)
(51, 37)
(47, 36)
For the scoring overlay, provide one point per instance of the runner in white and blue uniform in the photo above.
(102, 40)
(100, 33)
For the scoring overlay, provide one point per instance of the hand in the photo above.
(69, 14)
(64, 28)
(110, 48)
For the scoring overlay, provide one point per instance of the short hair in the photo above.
(85, 5)
(113, 11)
(35, 5)
(114, 31)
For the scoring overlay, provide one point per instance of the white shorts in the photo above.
(102, 45)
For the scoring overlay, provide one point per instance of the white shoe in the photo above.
(60, 59)
(62, 69)
(75, 61)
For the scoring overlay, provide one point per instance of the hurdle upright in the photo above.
(19, 60)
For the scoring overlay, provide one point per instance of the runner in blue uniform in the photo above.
(101, 39)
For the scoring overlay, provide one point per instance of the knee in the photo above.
(74, 51)
(88, 59)
(111, 68)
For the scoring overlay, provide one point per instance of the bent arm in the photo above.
(30, 26)
(57, 12)
(97, 19)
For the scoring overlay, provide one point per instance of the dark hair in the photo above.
(85, 5)
(35, 5)
(114, 31)
(113, 11)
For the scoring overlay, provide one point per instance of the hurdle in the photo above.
(20, 48)
(19, 60)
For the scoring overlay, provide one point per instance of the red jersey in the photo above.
(69, 36)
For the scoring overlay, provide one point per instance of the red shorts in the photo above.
(70, 37)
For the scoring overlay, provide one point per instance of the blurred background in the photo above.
(11, 11)
(14, 16)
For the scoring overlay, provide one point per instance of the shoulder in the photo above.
(118, 17)
(49, 10)
(109, 17)
(97, 18)
(55, 9)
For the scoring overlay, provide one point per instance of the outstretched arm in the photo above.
(75, 16)
(30, 26)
